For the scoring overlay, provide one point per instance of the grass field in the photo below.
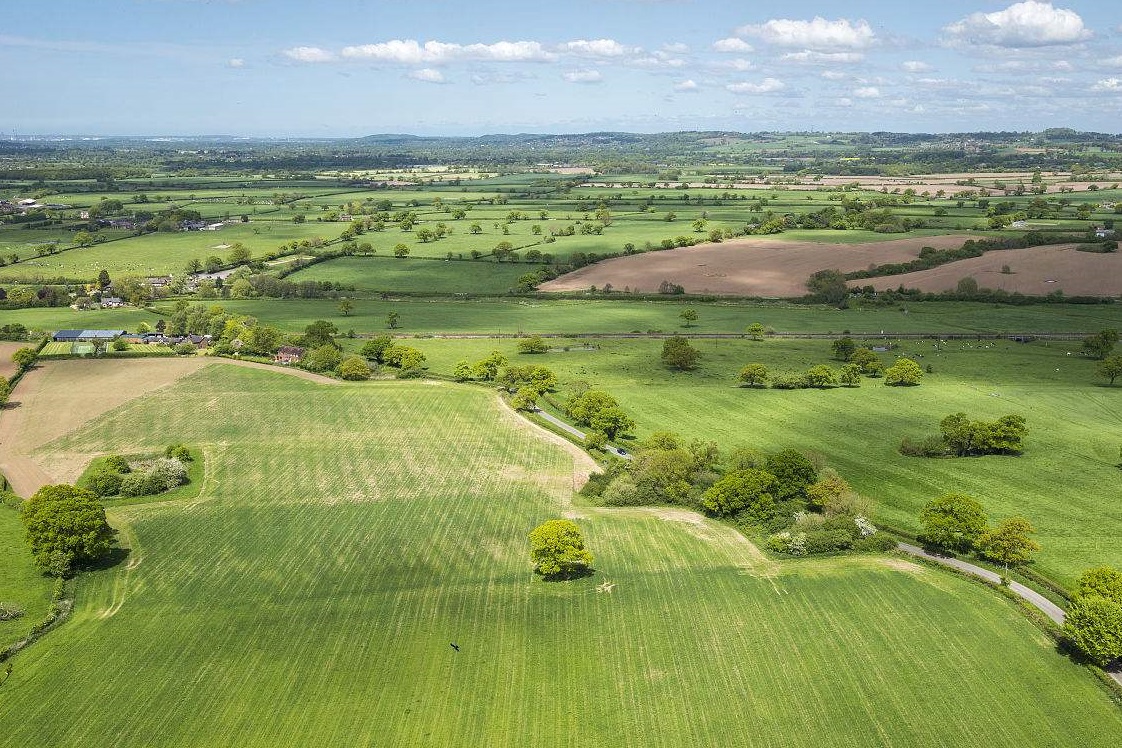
(21, 583)
(1065, 483)
(514, 315)
(309, 595)
(378, 274)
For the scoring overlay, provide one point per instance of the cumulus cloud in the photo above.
(687, 86)
(235, 62)
(412, 52)
(1026, 24)
(767, 85)
(915, 66)
(816, 34)
(732, 44)
(596, 48)
(823, 58)
(1108, 84)
(867, 92)
(583, 76)
(427, 75)
(309, 54)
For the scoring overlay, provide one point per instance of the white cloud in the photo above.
(687, 86)
(1026, 24)
(844, 101)
(732, 44)
(596, 48)
(583, 76)
(309, 54)
(915, 66)
(767, 85)
(867, 92)
(816, 34)
(427, 75)
(235, 62)
(834, 75)
(1112, 62)
(412, 52)
(676, 48)
(739, 64)
(1108, 84)
(813, 57)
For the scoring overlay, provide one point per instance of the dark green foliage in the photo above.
(750, 491)
(793, 474)
(375, 348)
(829, 541)
(963, 437)
(904, 372)
(325, 358)
(320, 333)
(66, 527)
(105, 482)
(952, 522)
(538, 378)
(1093, 626)
(354, 368)
(141, 484)
(878, 543)
(843, 348)
(828, 286)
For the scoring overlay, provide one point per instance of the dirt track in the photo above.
(744, 267)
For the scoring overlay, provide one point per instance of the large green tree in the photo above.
(557, 550)
(66, 527)
(678, 354)
(748, 490)
(1008, 543)
(903, 372)
(753, 375)
(1100, 344)
(1111, 368)
(953, 522)
(1093, 625)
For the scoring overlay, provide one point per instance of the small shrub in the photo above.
(178, 452)
(117, 464)
(105, 482)
(828, 541)
(168, 473)
(140, 484)
(186, 349)
(10, 611)
(878, 543)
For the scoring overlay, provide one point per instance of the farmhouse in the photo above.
(87, 336)
(111, 302)
(288, 354)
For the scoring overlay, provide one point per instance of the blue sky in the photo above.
(346, 68)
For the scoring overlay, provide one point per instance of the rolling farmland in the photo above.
(346, 535)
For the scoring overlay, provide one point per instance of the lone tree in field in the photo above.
(678, 354)
(1100, 344)
(393, 320)
(689, 316)
(533, 344)
(904, 372)
(843, 348)
(952, 522)
(557, 550)
(66, 527)
(756, 331)
(346, 306)
(1111, 368)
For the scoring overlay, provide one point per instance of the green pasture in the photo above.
(577, 316)
(378, 274)
(342, 541)
(21, 583)
(1066, 483)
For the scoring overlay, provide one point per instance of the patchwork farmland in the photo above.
(329, 561)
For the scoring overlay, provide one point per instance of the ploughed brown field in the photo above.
(753, 266)
(1035, 271)
(7, 366)
(773, 268)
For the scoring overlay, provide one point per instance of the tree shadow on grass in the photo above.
(569, 575)
(114, 557)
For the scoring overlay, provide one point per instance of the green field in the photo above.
(1065, 483)
(309, 595)
(21, 583)
(380, 274)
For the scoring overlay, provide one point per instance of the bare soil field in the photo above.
(1036, 271)
(58, 397)
(744, 267)
(7, 368)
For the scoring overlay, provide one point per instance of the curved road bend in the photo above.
(1034, 598)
